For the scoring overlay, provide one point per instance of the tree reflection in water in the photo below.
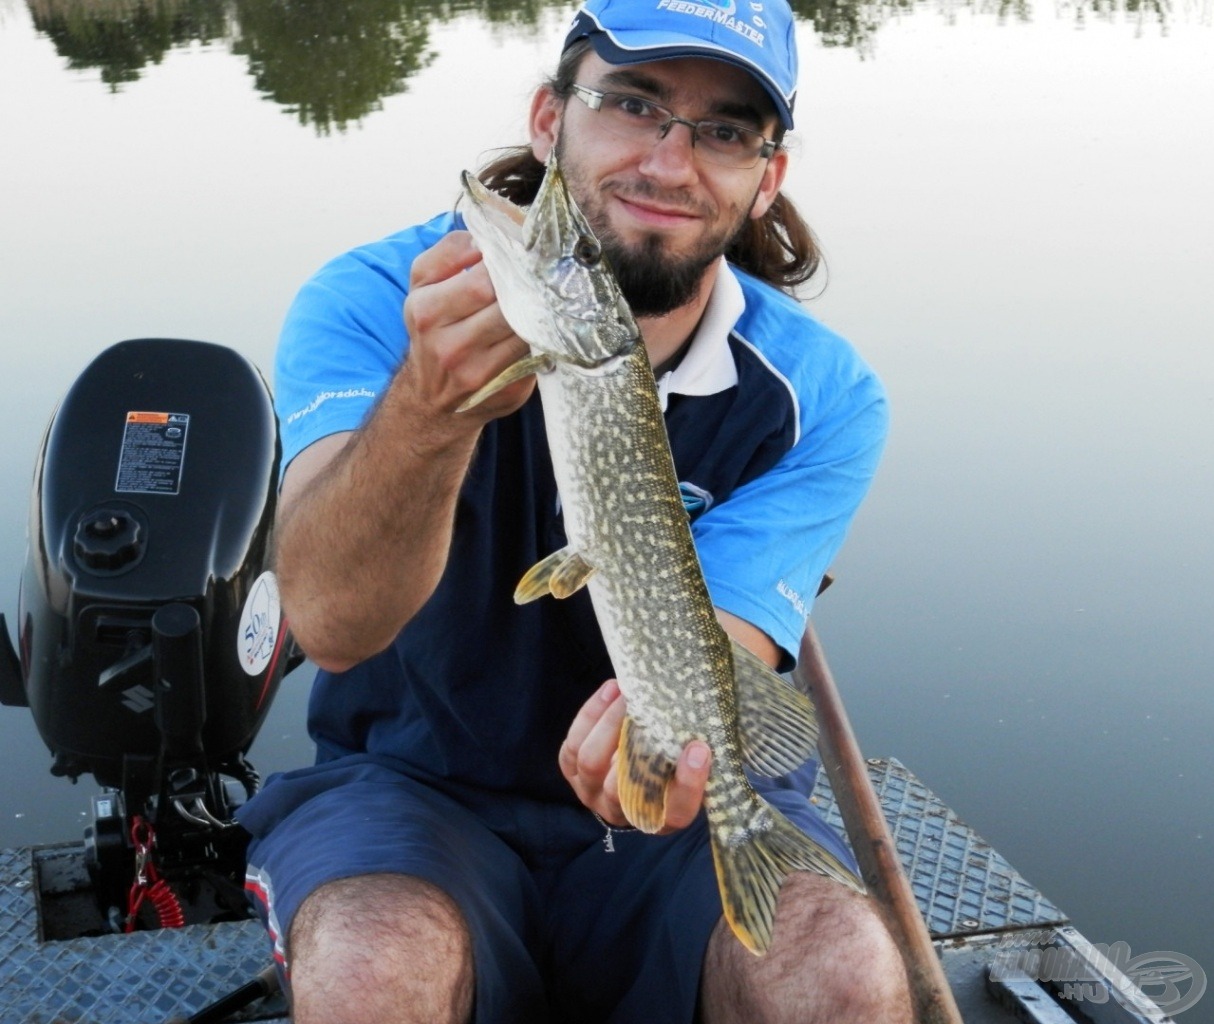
(121, 37)
(332, 64)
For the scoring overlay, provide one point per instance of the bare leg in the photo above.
(388, 949)
(831, 962)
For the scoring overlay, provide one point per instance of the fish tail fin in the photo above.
(750, 874)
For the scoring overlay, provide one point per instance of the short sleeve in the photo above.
(344, 338)
(766, 547)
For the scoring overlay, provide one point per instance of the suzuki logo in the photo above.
(139, 699)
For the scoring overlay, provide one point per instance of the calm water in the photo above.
(1016, 206)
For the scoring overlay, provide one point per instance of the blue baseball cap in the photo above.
(755, 35)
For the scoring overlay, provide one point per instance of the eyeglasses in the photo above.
(636, 119)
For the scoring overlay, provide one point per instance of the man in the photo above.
(445, 859)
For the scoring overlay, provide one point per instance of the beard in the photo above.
(653, 284)
(653, 280)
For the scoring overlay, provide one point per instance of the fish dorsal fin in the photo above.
(776, 723)
(562, 574)
(644, 773)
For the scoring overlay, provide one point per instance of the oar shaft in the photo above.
(264, 985)
(871, 838)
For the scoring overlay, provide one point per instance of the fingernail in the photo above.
(697, 755)
(609, 691)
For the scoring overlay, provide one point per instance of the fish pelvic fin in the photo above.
(562, 574)
(525, 367)
(777, 725)
(644, 775)
(751, 872)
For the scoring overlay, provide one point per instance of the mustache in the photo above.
(678, 200)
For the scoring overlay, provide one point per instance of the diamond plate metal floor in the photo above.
(143, 978)
(963, 887)
(962, 884)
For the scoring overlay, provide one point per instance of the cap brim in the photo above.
(635, 50)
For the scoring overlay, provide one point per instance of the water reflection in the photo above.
(333, 64)
(1142, 13)
(849, 23)
(330, 64)
(122, 37)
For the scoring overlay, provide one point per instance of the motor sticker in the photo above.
(260, 621)
(153, 453)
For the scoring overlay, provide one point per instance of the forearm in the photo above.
(362, 543)
(365, 519)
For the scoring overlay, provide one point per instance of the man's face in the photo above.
(661, 212)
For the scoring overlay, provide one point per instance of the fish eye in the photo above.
(587, 251)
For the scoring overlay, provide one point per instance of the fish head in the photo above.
(552, 282)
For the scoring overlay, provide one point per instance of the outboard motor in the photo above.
(150, 634)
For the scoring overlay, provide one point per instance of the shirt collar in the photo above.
(708, 367)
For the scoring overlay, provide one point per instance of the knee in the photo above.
(385, 948)
(857, 968)
(831, 959)
(867, 970)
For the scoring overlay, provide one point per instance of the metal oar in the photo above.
(871, 839)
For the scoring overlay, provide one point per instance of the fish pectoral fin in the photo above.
(776, 722)
(750, 874)
(644, 774)
(525, 367)
(562, 574)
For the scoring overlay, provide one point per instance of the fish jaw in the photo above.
(496, 226)
(553, 286)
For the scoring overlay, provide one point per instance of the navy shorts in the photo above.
(562, 930)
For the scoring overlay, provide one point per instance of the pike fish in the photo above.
(630, 543)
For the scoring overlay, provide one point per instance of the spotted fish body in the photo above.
(630, 543)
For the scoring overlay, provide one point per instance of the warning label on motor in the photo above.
(153, 453)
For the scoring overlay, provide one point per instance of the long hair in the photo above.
(779, 247)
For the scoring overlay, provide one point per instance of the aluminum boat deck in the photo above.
(980, 911)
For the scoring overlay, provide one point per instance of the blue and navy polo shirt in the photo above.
(776, 426)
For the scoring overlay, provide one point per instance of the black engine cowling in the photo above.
(153, 497)
(151, 638)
